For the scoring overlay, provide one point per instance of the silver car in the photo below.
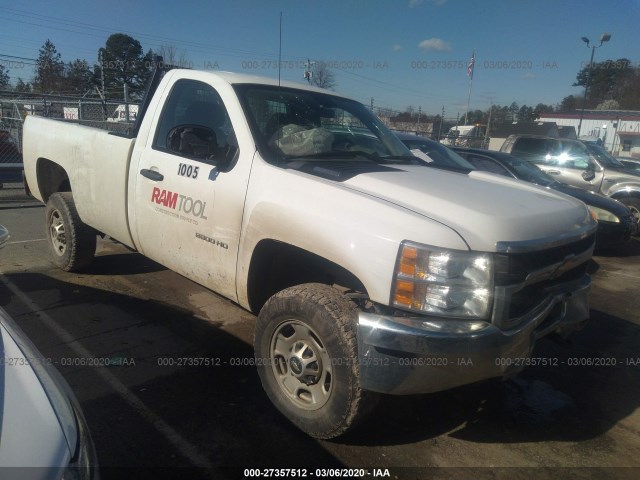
(43, 434)
(585, 166)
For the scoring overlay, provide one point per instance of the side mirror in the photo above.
(194, 141)
(589, 174)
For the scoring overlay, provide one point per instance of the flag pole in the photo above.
(470, 69)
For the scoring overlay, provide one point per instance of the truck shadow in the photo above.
(629, 249)
(122, 264)
(154, 349)
(594, 386)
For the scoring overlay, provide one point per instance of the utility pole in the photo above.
(371, 104)
(104, 103)
(101, 71)
(126, 102)
(418, 126)
(441, 122)
(486, 133)
(605, 37)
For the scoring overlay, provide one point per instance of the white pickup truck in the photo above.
(371, 271)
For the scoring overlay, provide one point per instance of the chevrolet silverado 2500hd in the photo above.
(370, 271)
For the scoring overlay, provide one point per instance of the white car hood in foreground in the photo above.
(30, 432)
(482, 207)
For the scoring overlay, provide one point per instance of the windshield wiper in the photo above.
(337, 154)
(352, 154)
(404, 158)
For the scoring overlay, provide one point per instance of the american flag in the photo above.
(472, 64)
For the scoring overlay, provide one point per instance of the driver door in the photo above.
(189, 192)
(573, 166)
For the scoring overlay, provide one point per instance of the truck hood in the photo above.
(483, 208)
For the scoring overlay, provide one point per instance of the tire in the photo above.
(71, 242)
(307, 358)
(634, 205)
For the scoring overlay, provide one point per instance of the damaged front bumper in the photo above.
(410, 355)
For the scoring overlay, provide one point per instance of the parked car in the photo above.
(466, 135)
(434, 153)
(572, 162)
(609, 160)
(9, 152)
(616, 223)
(4, 236)
(43, 434)
(629, 163)
(10, 160)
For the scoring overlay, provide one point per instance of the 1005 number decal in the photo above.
(190, 171)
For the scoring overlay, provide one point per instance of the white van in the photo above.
(120, 114)
(465, 136)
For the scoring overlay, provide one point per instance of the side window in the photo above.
(487, 165)
(194, 124)
(570, 155)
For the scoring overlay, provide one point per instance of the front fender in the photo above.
(357, 231)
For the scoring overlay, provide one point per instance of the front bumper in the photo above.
(409, 355)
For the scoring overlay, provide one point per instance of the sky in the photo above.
(400, 53)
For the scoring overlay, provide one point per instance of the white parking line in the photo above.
(27, 241)
(187, 449)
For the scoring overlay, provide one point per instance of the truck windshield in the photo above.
(603, 156)
(290, 124)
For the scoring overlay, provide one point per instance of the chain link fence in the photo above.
(113, 116)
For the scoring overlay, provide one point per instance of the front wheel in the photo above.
(307, 356)
(71, 242)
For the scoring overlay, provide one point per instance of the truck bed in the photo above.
(90, 157)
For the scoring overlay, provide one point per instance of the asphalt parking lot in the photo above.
(122, 333)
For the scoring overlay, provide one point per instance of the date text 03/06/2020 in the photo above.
(317, 472)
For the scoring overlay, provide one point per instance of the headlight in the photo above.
(599, 214)
(446, 282)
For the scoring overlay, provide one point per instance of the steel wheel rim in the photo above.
(301, 365)
(57, 233)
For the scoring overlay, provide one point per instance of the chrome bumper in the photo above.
(409, 355)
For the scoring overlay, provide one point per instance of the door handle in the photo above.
(553, 172)
(152, 175)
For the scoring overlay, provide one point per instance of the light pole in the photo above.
(605, 37)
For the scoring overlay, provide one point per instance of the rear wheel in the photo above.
(71, 242)
(307, 357)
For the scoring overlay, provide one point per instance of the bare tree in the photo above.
(171, 56)
(322, 76)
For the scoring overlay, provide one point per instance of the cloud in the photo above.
(529, 76)
(396, 48)
(435, 45)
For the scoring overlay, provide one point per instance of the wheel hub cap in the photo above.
(57, 232)
(301, 365)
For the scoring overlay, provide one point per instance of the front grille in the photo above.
(525, 280)
(532, 295)
(513, 268)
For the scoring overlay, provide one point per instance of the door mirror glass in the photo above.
(589, 174)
